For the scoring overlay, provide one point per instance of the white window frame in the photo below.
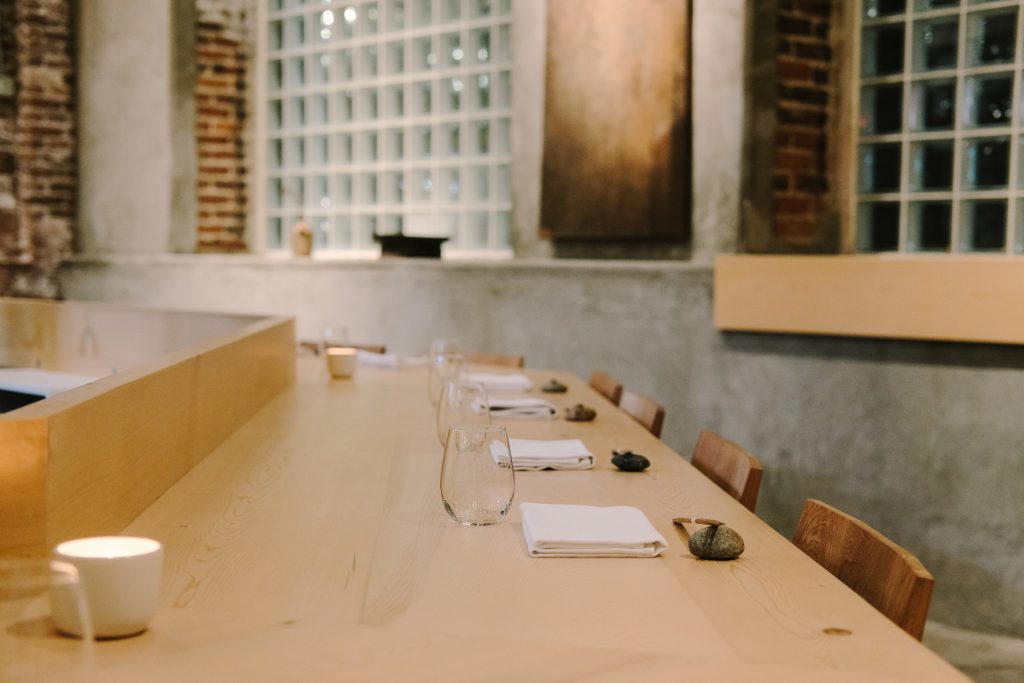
(959, 134)
(259, 212)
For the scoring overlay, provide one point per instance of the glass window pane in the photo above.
(930, 226)
(396, 15)
(935, 44)
(452, 53)
(879, 226)
(396, 58)
(276, 35)
(882, 108)
(452, 185)
(989, 100)
(933, 104)
(933, 165)
(481, 45)
(402, 118)
(275, 75)
(880, 168)
(275, 233)
(883, 8)
(882, 50)
(925, 5)
(991, 37)
(480, 8)
(986, 163)
(342, 237)
(984, 225)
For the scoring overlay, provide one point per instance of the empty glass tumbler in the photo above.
(443, 345)
(445, 367)
(477, 479)
(462, 403)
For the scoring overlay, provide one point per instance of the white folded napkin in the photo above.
(502, 381)
(554, 454)
(388, 360)
(585, 531)
(521, 407)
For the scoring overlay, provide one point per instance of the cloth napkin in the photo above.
(501, 381)
(521, 407)
(388, 360)
(585, 531)
(553, 454)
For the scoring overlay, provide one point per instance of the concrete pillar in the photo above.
(137, 142)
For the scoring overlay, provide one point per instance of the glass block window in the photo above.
(384, 116)
(939, 158)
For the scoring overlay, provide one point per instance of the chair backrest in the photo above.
(880, 571)
(607, 386)
(644, 410)
(730, 466)
(495, 359)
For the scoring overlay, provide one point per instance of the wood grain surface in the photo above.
(312, 545)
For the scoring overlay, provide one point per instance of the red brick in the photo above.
(789, 69)
(798, 160)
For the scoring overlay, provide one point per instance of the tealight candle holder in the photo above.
(341, 361)
(118, 580)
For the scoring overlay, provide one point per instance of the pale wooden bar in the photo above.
(902, 296)
(171, 386)
(312, 545)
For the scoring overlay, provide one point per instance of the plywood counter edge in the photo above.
(148, 425)
(60, 402)
(939, 298)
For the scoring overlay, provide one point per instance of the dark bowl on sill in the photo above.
(410, 246)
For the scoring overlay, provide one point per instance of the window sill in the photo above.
(950, 298)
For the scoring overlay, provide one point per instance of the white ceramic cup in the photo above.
(120, 579)
(341, 361)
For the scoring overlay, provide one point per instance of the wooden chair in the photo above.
(607, 386)
(729, 465)
(886, 575)
(495, 359)
(372, 348)
(644, 410)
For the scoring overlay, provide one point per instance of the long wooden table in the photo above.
(312, 545)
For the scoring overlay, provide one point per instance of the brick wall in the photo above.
(38, 165)
(802, 215)
(11, 241)
(223, 38)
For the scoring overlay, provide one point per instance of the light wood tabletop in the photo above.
(312, 545)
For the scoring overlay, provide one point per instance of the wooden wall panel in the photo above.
(616, 124)
(972, 299)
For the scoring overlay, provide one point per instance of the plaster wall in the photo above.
(126, 157)
(921, 440)
(718, 59)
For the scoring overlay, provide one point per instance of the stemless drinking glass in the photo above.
(443, 345)
(477, 479)
(446, 367)
(334, 334)
(462, 403)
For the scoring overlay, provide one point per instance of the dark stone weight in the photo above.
(580, 413)
(716, 543)
(554, 387)
(627, 461)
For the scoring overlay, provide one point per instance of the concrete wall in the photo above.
(128, 116)
(921, 440)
